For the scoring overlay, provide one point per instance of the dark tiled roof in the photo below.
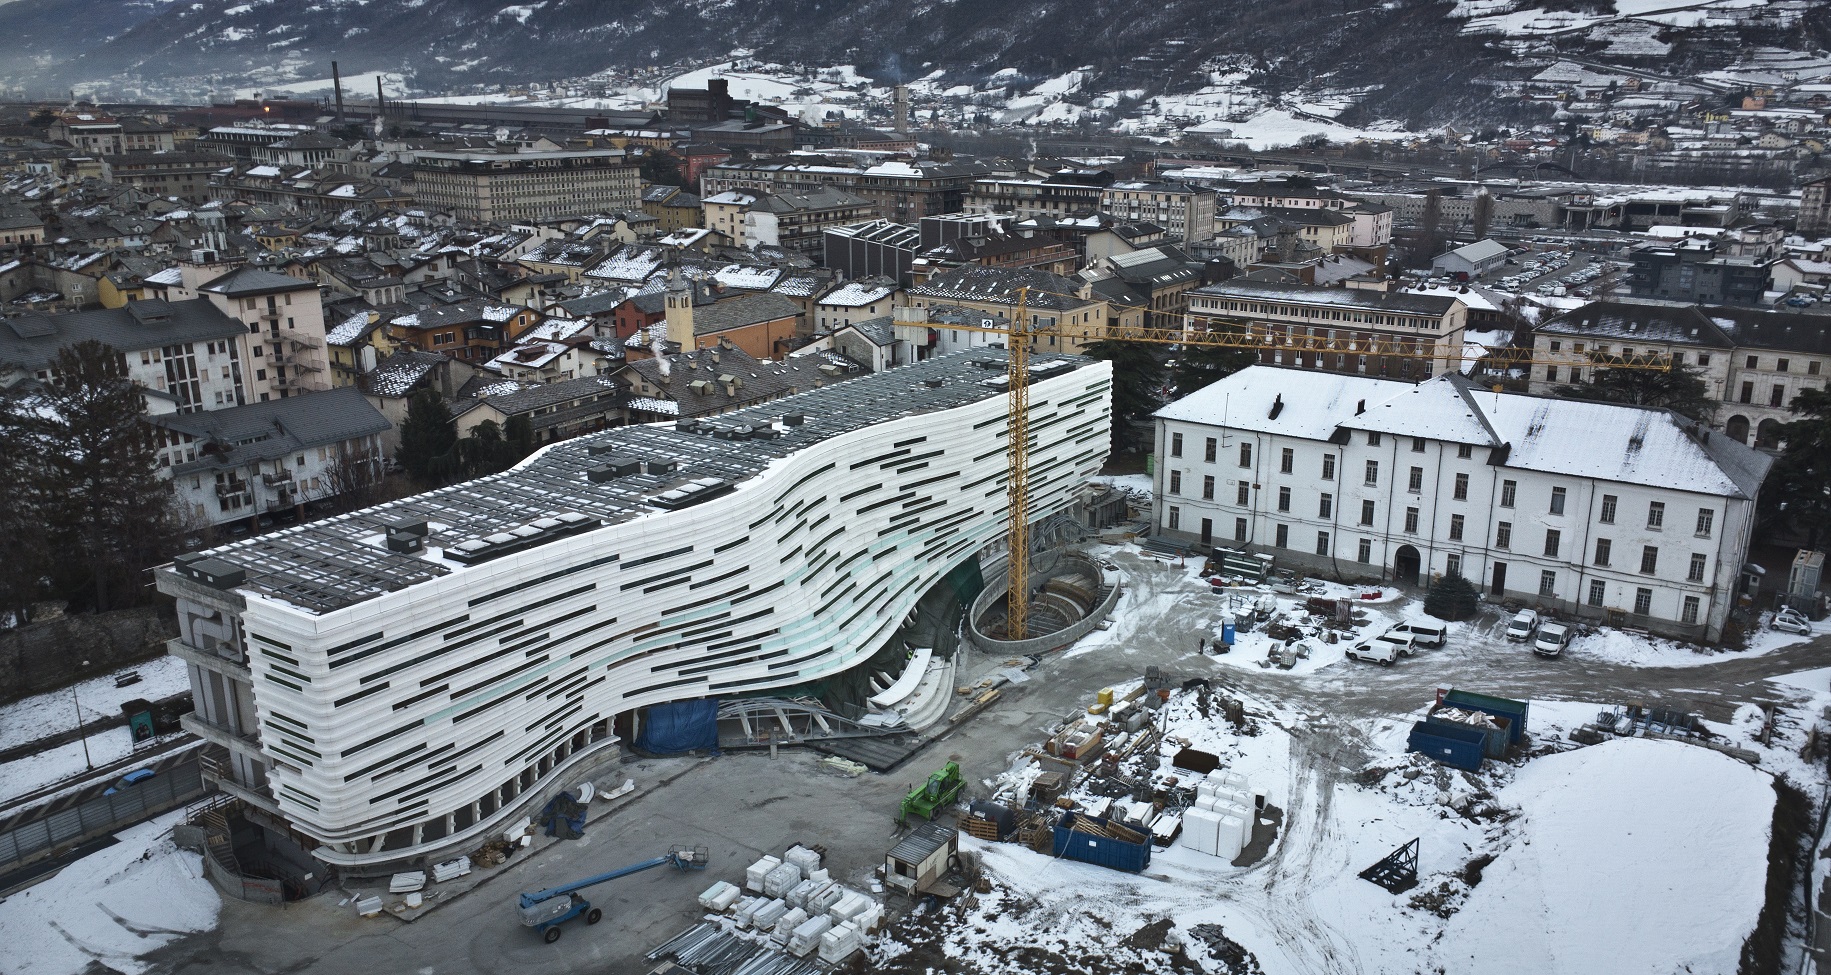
(276, 428)
(249, 281)
(741, 311)
(31, 340)
(1648, 321)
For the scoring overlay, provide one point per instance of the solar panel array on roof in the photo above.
(341, 561)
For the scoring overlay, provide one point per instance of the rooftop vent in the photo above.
(212, 572)
(536, 532)
(663, 467)
(793, 419)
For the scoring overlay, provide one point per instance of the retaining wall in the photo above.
(1042, 569)
(46, 656)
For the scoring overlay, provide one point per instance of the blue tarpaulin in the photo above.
(683, 726)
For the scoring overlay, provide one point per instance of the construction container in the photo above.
(1000, 816)
(807, 937)
(797, 895)
(1195, 760)
(1458, 746)
(777, 882)
(1498, 729)
(1101, 842)
(785, 928)
(1200, 829)
(804, 859)
(754, 874)
(766, 917)
(1500, 707)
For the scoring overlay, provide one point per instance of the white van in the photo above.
(1383, 649)
(1524, 623)
(1424, 633)
(1552, 639)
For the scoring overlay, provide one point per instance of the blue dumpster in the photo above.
(1103, 842)
(1458, 746)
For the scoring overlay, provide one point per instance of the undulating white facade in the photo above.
(402, 680)
(1619, 513)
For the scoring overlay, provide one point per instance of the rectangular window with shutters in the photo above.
(1649, 560)
(1373, 438)
(1176, 445)
(1602, 551)
(1208, 449)
(1557, 501)
(1326, 508)
(1284, 499)
(1366, 512)
(1503, 535)
(1548, 583)
(1282, 536)
(1695, 573)
(1705, 519)
(1246, 455)
(1411, 521)
(1455, 528)
(1417, 445)
(1643, 602)
(1461, 491)
(1207, 488)
(1363, 553)
(1322, 543)
(1373, 473)
(1552, 539)
(1176, 482)
(1287, 461)
(1242, 495)
(1239, 529)
(1414, 481)
(1328, 467)
(1688, 615)
(1656, 514)
(1607, 514)
(1596, 592)
(1507, 490)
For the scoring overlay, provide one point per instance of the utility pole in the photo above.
(81, 730)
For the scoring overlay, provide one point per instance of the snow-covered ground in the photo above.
(44, 715)
(107, 910)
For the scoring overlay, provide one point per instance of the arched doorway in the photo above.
(1405, 565)
(1737, 428)
(1767, 434)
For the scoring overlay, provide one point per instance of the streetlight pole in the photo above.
(81, 729)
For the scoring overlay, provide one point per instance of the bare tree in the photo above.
(355, 477)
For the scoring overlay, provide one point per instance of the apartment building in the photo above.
(1616, 513)
(283, 346)
(1186, 211)
(1338, 329)
(1065, 193)
(186, 355)
(1753, 361)
(526, 186)
(396, 685)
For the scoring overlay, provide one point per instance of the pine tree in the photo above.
(110, 511)
(519, 433)
(429, 440)
(1681, 390)
(1794, 497)
(1137, 377)
(1198, 366)
(1453, 598)
(25, 448)
(485, 451)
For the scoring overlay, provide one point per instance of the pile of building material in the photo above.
(1220, 822)
(793, 905)
(710, 947)
(450, 870)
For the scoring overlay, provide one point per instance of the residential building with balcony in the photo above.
(282, 349)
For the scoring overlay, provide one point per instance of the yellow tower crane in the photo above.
(1212, 332)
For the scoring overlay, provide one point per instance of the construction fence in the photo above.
(99, 816)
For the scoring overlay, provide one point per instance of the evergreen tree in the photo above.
(485, 451)
(1681, 390)
(1198, 366)
(25, 449)
(110, 511)
(1453, 598)
(1797, 494)
(429, 440)
(1137, 377)
(520, 434)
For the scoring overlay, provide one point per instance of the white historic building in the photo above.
(1619, 513)
(395, 684)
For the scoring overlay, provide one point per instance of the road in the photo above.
(744, 805)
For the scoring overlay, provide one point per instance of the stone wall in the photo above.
(49, 654)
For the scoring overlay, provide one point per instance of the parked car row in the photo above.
(1400, 640)
(1548, 637)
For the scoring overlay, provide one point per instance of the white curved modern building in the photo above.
(395, 683)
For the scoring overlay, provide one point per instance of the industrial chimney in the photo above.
(337, 85)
